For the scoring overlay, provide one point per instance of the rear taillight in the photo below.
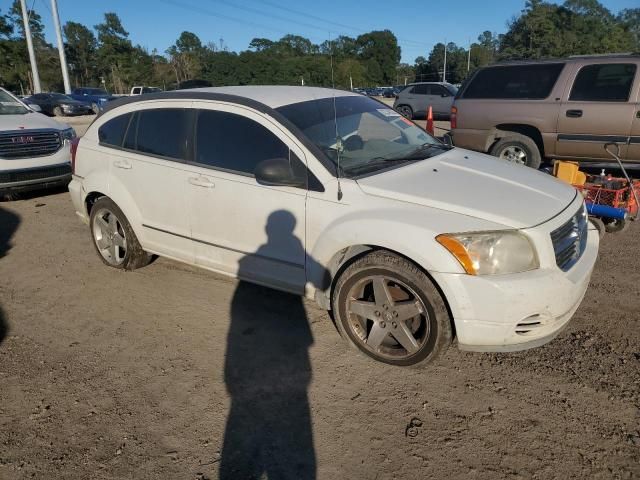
(74, 150)
(454, 118)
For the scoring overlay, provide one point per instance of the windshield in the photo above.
(10, 105)
(365, 135)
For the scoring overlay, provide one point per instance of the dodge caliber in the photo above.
(335, 196)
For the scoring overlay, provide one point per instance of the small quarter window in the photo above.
(607, 82)
(112, 132)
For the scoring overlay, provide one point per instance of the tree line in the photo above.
(105, 55)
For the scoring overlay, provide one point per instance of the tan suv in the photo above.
(525, 112)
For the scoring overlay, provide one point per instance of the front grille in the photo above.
(570, 240)
(29, 143)
(14, 176)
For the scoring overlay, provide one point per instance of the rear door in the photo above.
(633, 153)
(150, 170)
(417, 98)
(596, 110)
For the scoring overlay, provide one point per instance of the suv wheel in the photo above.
(95, 108)
(405, 111)
(113, 237)
(57, 112)
(391, 311)
(517, 148)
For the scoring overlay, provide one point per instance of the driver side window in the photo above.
(234, 143)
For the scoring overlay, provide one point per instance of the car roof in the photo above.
(275, 96)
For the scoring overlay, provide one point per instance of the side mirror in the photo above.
(34, 107)
(444, 95)
(279, 172)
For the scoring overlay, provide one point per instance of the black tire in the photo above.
(600, 226)
(515, 142)
(134, 256)
(57, 112)
(95, 108)
(433, 324)
(405, 110)
(615, 226)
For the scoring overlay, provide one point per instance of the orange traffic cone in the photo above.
(430, 120)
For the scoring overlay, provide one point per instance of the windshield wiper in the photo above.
(414, 155)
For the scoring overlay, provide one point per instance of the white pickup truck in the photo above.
(141, 90)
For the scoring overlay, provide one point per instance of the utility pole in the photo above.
(444, 70)
(63, 57)
(32, 54)
(469, 57)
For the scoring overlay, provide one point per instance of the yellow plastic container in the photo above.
(569, 172)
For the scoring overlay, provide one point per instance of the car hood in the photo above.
(477, 185)
(29, 121)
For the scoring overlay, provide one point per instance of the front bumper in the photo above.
(22, 180)
(505, 313)
(35, 173)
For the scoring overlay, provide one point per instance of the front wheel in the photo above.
(391, 311)
(95, 108)
(57, 111)
(113, 237)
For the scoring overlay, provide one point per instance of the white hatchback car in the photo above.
(337, 197)
(34, 149)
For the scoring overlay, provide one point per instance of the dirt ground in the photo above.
(174, 372)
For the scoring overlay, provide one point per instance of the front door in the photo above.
(240, 227)
(598, 110)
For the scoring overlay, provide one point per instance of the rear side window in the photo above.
(609, 82)
(420, 90)
(233, 142)
(112, 132)
(533, 82)
(163, 132)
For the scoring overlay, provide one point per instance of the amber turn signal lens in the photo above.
(457, 250)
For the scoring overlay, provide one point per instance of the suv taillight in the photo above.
(454, 118)
(74, 150)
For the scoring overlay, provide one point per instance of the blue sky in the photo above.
(417, 24)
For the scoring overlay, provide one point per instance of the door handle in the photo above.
(574, 113)
(201, 182)
(122, 164)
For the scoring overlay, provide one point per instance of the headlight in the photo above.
(491, 253)
(68, 135)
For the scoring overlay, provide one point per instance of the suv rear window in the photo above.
(533, 82)
(608, 82)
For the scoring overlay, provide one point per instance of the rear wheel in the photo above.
(405, 111)
(113, 237)
(619, 225)
(391, 311)
(519, 149)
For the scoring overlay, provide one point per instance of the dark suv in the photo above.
(525, 112)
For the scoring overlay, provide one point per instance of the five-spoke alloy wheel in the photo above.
(391, 310)
(114, 238)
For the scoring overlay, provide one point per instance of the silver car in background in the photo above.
(414, 100)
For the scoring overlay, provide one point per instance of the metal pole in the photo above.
(63, 57)
(32, 54)
(444, 70)
(469, 58)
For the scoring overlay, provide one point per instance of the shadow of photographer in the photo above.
(8, 225)
(267, 373)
